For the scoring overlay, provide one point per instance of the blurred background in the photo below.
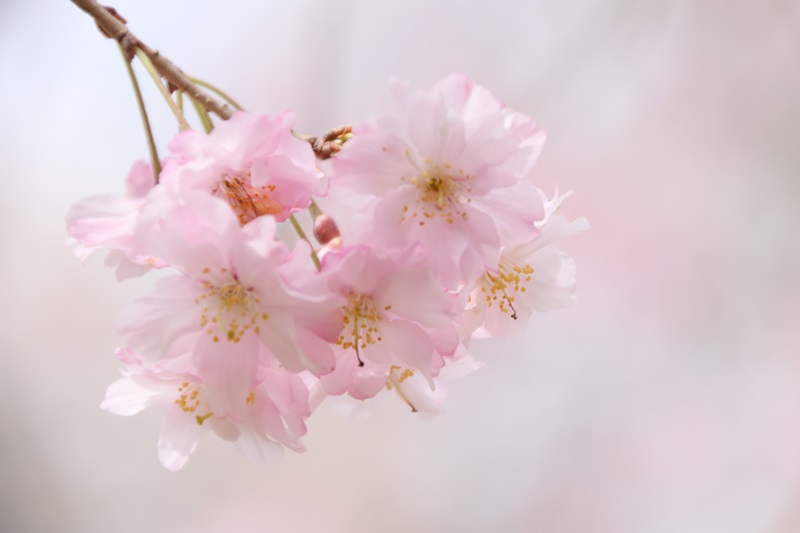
(666, 400)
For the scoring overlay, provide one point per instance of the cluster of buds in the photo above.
(432, 234)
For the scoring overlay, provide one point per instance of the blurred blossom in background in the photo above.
(667, 399)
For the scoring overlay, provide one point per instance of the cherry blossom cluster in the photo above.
(429, 232)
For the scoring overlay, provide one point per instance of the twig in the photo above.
(112, 27)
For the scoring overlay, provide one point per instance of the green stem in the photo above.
(203, 114)
(314, 209)
(180, 101)
(222, 94)
(302, 235)
(155, 161)
(164, 92)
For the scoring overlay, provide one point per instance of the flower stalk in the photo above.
(148, 65)
(222, 94)
(302, 234)
(151, 144)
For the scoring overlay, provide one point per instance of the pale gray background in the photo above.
(667, 400)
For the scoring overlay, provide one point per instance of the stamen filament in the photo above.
(356, 341)
(201, 419)
(400, 392)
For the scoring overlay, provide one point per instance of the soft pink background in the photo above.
(666, 400)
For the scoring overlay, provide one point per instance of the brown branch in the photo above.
(113, 26)
(109, 22)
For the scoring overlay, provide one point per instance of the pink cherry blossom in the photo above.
(253, 162)
(240, 303)
(276, 408)
(433, 233)
(530, 276)
(106, 221)
(448, 169)
(395, 315)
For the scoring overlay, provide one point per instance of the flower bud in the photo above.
(325, 229)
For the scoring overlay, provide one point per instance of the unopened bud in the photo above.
(325, 229)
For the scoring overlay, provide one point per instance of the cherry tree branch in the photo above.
(115, 29)
(113, 26)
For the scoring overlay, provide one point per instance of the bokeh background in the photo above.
(666, 400)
